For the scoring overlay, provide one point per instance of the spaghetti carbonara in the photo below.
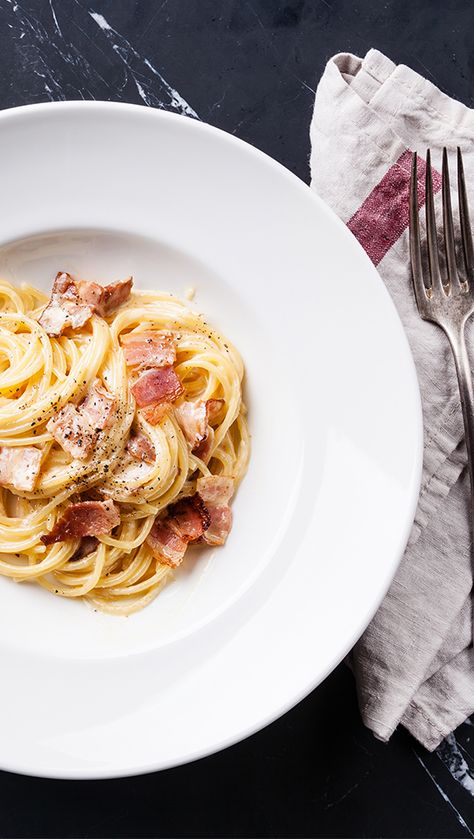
(122, 439)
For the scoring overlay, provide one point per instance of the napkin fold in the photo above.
(414, 665)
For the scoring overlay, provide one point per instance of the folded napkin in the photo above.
(414, 665)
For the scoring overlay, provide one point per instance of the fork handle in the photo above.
(463, 371)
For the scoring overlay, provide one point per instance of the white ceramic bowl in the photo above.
(322, 518)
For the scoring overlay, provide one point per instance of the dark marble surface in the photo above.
(251, 68)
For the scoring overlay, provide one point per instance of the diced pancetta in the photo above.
(203, 450)
(155, 413)
(215, 489)
(194, 419)
(115, 295)
(72, 431)
(19, 467)
(64, 286)
(214, 407)
(65, 307)
(89, 293)
(98, 407)
(147, 349)
(186, 521)
(189, 517)
(88, 546)
(141, 448)
(220, 526)
(86, 518)
(104, 299)
(160, 384)
(166, 546)
(73, 302)
(216, 492)
(75, 428)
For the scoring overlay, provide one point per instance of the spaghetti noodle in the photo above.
(147, 453)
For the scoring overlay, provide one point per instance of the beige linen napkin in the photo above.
(414, 664)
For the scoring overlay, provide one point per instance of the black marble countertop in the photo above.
(250, 67)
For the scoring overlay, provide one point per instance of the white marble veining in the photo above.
(144, 85)
(48, 52)
(445, 796)
(450, 753)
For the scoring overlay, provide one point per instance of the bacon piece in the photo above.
(203, 450)
(115, 295)
(87, 547)
(76, 428)
(158, 385)
(64, 308)
(19, 467)
(192, 417)
(89, 293)
(64, 286)
(72, 431)
(147, 349)
(104, 299)
(189, 517)
(73, 302)
(141, 447)
(214, 407)
(195, 418)
(215, 489)
(53, 319)
(220, 527)
(155, 413)
(87, 518)
(186, 521)
(166, 546)
(216, 492)
(98, 407)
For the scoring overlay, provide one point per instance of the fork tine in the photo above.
(448, 226)
(415, 245)
(433, 258)
(466, 235)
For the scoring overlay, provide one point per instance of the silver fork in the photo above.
(450, 302)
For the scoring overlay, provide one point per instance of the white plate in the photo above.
(324, 513)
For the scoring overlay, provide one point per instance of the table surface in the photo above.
(250, 67)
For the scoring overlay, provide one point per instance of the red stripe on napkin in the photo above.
(383, 216)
